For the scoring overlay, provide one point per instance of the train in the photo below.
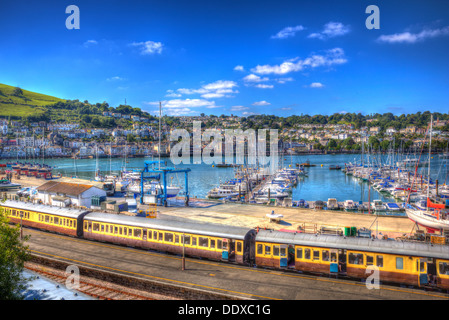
(397, 262)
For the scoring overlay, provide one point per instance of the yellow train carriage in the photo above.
(50, 218)
(209, 241)
(401, 262)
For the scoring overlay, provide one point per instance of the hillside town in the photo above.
(139, 136)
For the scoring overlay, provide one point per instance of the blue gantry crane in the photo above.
(150, 173)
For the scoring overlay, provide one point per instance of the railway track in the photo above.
(100, 290)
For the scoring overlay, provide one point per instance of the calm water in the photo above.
(320, 184)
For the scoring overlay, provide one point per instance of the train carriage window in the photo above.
(298, 253)
(14, 213)
(369, 260)
(85, 225)
(219, 244)
(267, 250)
(259, 249)
(47, 219)
(444, 268)
(115, 230)
(325, 255)
(225, 245)
(137, 233)
(203, 242)
(107, 228)
(333, 256)
(125, 231)
(355, 258)
(276, 251)
(420, 266)
(283, 252)
(212, 244)
(399, 263)
(176, 238)
(187, 239)
(102, 227)
(168, 237)
(96, 227)
(239, 247)
(161, 236)
(150, 234)
(155, 235)
(307, 253)
(194, 241)
(316, 255)
(380, 261)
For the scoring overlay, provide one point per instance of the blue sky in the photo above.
(232, 57)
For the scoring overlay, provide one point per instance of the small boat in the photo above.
(332, 204)
(392, 206)
(307, 164)
(274, 217)
(7, 185)
(334, 167)
(349, 205)
(319, 205)
(377, 205)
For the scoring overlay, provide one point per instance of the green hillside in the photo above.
(16, 102)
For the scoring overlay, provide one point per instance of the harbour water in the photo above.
(321, 183)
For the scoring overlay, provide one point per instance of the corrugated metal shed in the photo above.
(213, 230)
(72, 189)
(350, 243)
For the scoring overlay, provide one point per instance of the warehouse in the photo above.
(65, 194)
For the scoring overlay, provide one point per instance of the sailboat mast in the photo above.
(430, 150)
(159, 147)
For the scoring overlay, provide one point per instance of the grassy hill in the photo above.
(16, 102)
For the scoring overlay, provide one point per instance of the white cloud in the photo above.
(261, 103)
(331, 30)
(90, 42)
(180, 104)
(284, 80)
(316, 85)
(286, 109)
(287, 32)
(148, 47)
(264, 86)
(217, 89)
(116, 78)
(239, 108)
(249, 113)
(239, 68)
(331, 57)
(172, 94)
(254, 78)
(407, 37)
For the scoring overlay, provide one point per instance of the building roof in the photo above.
(73, 189)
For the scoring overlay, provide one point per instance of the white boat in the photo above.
(219, 193)
(377, 205)
(332, 204)
(275, 217)
(435, 219)
(154, 188)
(349, 205)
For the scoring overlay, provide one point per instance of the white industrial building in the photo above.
(65, 194)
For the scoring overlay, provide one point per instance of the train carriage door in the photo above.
(283, 260)
(225, 250)
(333, 266)
(144, 234)
(421, 265)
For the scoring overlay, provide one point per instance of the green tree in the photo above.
(13, 254)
